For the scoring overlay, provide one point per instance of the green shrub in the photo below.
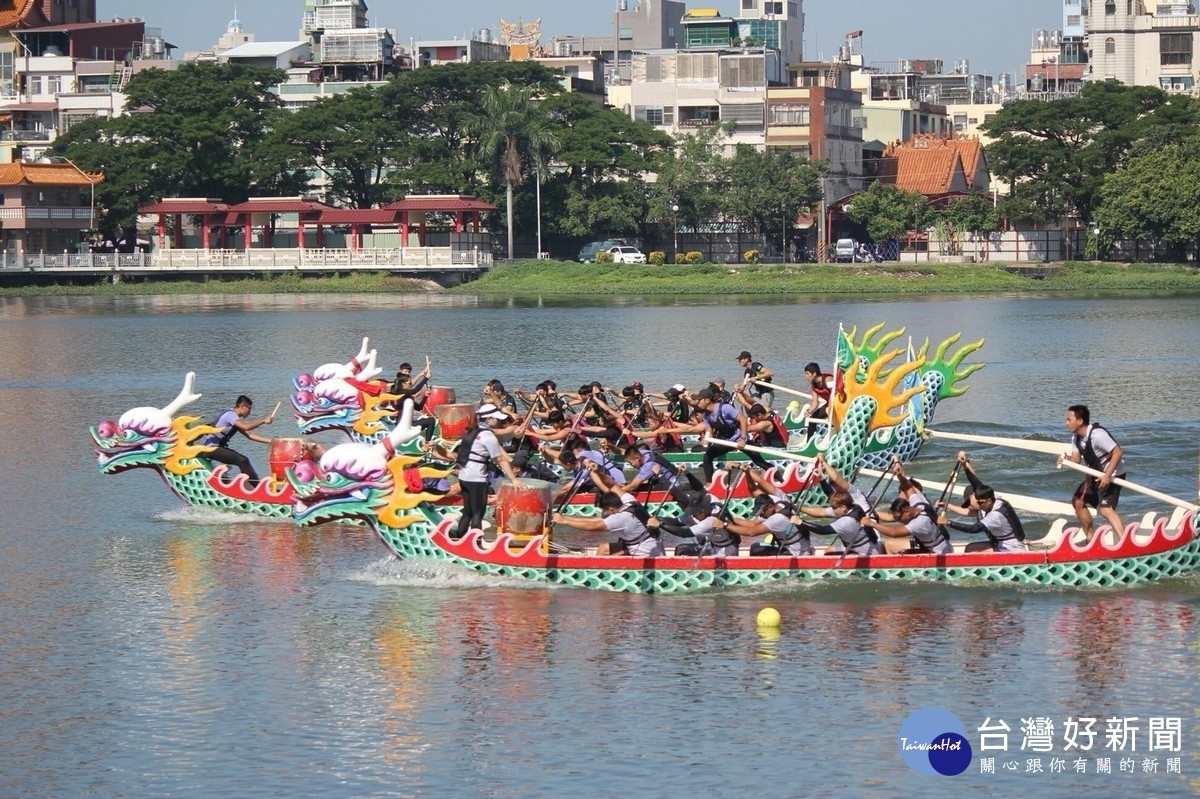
(604, 257)
(751, 256)
(656, 258)
(694, 257)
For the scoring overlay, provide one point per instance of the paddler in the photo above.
(228, 423)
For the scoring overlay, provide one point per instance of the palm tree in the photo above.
(512, 124)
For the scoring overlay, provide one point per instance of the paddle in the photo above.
(777, 387)
(1046, 507)
(774, 453)
(572, 491)
(870, 511)
(1047, 447)
(276, 410)
(1150, 492)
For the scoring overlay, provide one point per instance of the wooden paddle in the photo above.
(777, 387)
(276, 410)
(768, 451)
(1047, 447)
(1047, 507)
(1150, 492)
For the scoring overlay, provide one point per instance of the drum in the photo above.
(285, 453)
(523, 511)
(455, 419)
(437, 397)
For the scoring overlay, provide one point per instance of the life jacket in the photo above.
(672, 471)
(721, 427)
(1010, 514)
(1090, 456)
(777, 437)
(943, 534)
(226, 435)
(464, 455)
(642, 514)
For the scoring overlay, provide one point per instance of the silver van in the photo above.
(845, 251)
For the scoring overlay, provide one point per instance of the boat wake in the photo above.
(198, 515)
(421, 573)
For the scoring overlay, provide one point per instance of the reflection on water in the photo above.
(147, 651)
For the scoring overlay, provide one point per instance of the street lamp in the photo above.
(783, 225)
(675, 214)
(537, 171)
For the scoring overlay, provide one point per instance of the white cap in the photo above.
(678, 387)
(489, 411)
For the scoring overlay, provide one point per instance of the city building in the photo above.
(1141, 44)
(46, 206)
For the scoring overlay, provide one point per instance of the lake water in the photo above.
(152, 650)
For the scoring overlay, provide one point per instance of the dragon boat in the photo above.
(364, 482)
(157, 439)
(344, 397)
(368, 482)
(160, 440)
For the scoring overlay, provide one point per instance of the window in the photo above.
(743, 114)
(1110, 8)
(625, 33)
(743, 72)
(747, 5)
(1074, 20)
(35, 84)
(655, 115)
(53, 84)
(1174, 48)
(773, 8)
(654, 69)
(1110, 46)
(789, 114)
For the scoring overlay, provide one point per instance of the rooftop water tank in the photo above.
(485, 34)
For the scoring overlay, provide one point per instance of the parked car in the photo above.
(845, 251)
(624, 254)
(588, 253)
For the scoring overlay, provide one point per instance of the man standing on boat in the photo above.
(755, 374)
(228, 423)
(478, 448)
(1097, 449)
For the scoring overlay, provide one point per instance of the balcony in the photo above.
(26, 135)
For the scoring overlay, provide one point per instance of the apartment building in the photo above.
(1143, 43)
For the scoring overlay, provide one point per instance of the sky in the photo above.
(995, 35)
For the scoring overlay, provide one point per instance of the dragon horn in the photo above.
(403, 433)
(362, 351)
(187, 396)
(369, 369)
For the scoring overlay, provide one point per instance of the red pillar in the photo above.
(421, 232)
(404, 230)
(320, 236)
(475, 222)
(458, 221)
(162, 231)
(355, 232)
(247, 233)
(178, 236)
(204, 231)
(300, 232)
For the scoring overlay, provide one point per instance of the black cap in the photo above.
(745, 355)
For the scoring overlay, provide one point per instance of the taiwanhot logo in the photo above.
(933, 741)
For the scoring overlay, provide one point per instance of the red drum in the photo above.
(523, 511)
(284, 453)
(455, 419)
(437, 397)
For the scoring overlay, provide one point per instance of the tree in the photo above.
(194, 131)
(971, 214)
(352, 138)
(511, 127)
(1155, 196)
(888, 212)
(1056, 154)
(768, 188)
(693, 177)
(598, 183)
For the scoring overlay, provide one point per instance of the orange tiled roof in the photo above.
(929, 164)
(19, 173)
(16, 12)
